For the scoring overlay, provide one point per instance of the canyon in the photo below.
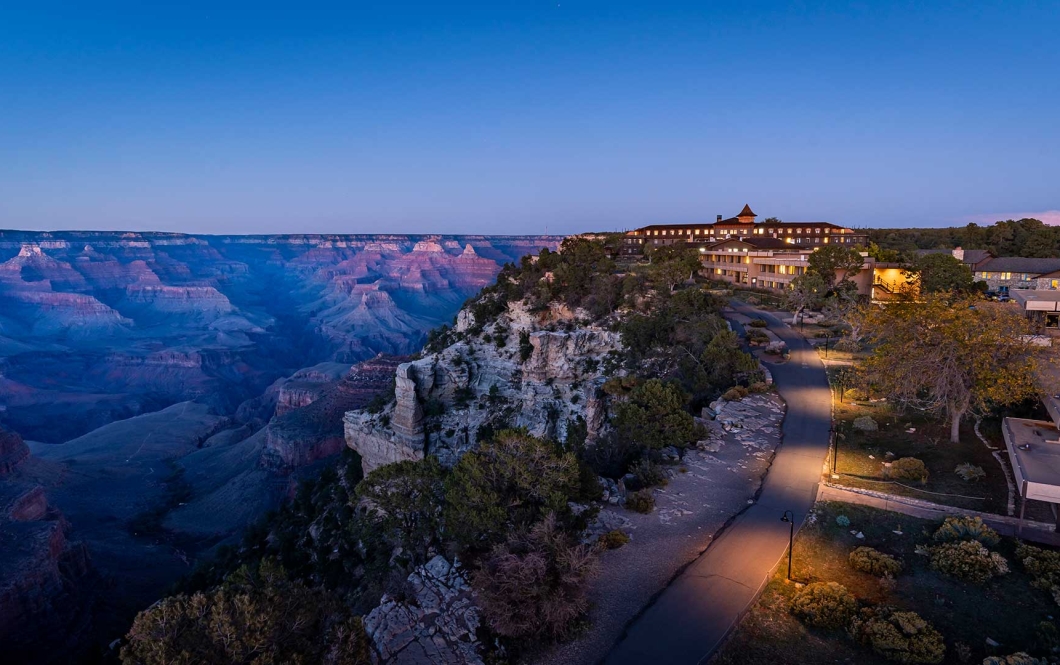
(170, 389)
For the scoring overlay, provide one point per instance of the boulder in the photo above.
(865, 424)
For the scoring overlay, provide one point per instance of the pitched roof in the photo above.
(974, 256)
(1021, 264)
(746, 212)
(971, 256)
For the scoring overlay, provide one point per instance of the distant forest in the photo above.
(1024, 237)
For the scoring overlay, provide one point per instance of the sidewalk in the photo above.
(691, 617)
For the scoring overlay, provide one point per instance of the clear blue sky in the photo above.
(505, 117)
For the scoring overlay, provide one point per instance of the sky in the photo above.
(524, 117)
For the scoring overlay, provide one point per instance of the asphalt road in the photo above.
(688, 621)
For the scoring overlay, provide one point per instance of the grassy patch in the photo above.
(862, 456)
(1007, 610)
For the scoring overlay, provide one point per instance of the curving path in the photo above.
(687, 622)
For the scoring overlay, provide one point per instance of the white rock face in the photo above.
(444, 401)
(437, 625)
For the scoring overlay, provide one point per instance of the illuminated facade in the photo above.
(769, 263)
(804, 234)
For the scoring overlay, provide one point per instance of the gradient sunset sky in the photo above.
(514, 117)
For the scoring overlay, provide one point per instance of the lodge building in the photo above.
(804, 234)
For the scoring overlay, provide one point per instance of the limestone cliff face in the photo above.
(445, 401)
(42, 574)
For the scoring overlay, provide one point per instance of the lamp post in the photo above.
(791, 536)
(834, 436)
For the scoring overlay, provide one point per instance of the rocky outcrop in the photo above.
(490, 380)
(300, 436)
(42, 574)
(437, 624)
(13, 451)
(42, 594)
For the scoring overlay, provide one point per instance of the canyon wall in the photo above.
(98, 326)
(174, 388)
(45, 578)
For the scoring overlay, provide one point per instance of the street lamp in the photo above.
(791, 536)
(834, 436)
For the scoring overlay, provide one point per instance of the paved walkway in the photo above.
(691, 617)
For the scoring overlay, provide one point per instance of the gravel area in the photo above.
(689, 512)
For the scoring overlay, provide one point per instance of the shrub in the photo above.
(968, 560)
(760, 387)
(757, 337)
(609, 455)
(1019, 658)
(406, 501)
(433, 408)
(909, 468)
(640, 502)
(825, 605)
(970, 472)
(847, 345)
(535, 585)
(966, 528)
(655, 416)
(613, 539)
(508, 482)
(1043, 566)
(842, 520)
(1046, 636)
(735, 393)
(257, 615)
(903, 637)
(647, 473)
(758, 323)
(874, 562)
(526, 349)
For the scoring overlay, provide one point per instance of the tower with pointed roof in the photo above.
(746, 216)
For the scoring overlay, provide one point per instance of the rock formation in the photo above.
(42, 574)
(437, 624)
(300, 436)
(446, 400)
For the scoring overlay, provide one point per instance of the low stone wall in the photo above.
(1038, 532)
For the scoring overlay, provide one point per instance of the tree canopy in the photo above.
(807, 291)
(406, 500)
(507, 483)
(948, 356)
(654, 416)
(828, 260)
(1024, 237)
(258, 616)
(941, 273)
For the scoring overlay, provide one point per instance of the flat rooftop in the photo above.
(1035, 454)
(1037, 300)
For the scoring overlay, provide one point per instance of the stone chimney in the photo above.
(958, 254)
(719, 218)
